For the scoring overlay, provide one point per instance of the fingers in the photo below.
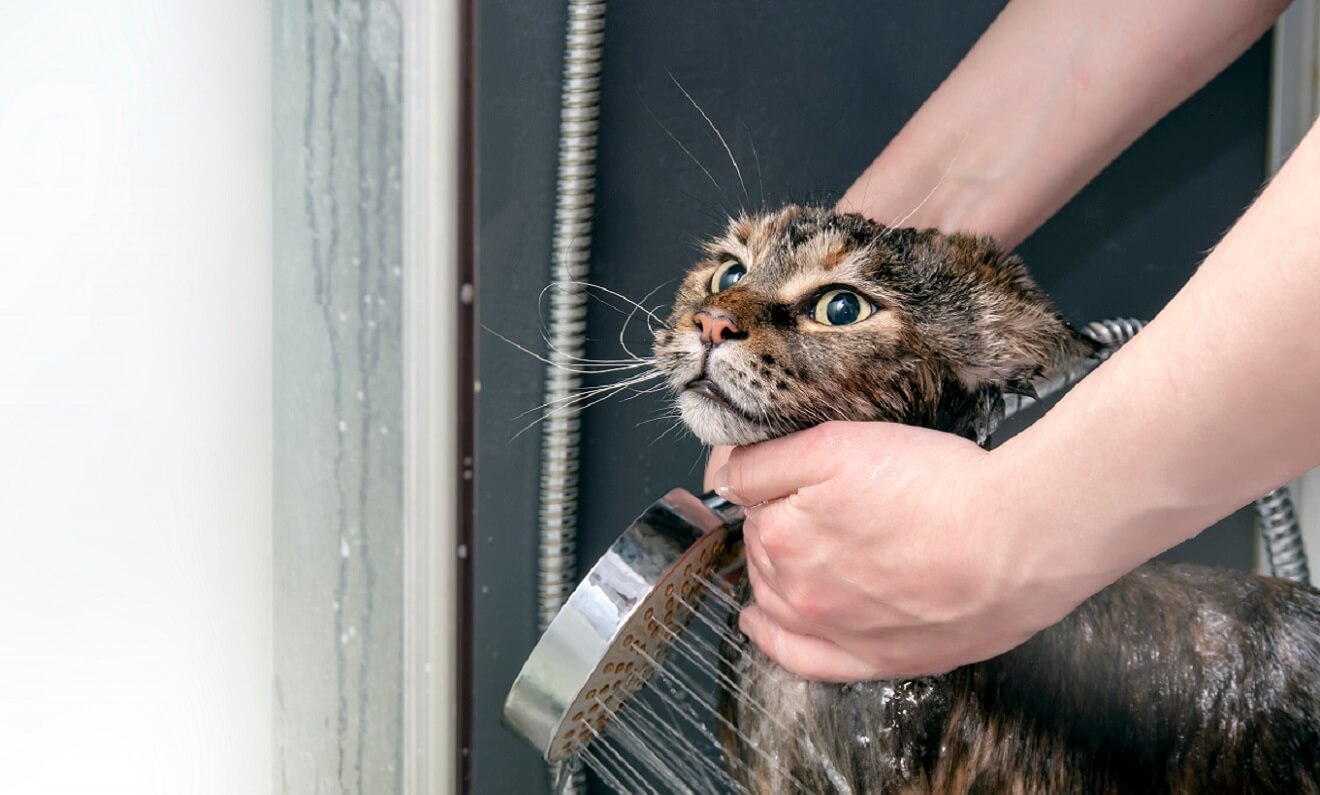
(754, 549)
(779, 467)
(804, 655)
(776, 607)
(719, 456)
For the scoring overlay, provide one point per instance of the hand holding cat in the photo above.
(876, 550)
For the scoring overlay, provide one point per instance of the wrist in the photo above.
(1029, 584)
(1080, 524)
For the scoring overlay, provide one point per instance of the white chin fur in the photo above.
(715, 424)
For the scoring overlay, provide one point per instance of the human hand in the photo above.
(878, 550)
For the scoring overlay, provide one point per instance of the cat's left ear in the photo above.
(1018, 336)
(1032, 347)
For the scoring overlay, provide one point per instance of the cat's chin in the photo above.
(716, 425)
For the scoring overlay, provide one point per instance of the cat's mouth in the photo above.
(715, 418)
(706, 388)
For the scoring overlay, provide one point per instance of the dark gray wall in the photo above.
(806, 95)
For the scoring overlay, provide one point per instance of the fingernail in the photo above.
(723, 488)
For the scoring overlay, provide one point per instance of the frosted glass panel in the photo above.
(338, 452)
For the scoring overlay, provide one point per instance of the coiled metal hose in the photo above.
(575, 199)
(1275, 518)
(1278, 525)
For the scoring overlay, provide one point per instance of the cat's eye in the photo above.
(727, 275)
(841, 308)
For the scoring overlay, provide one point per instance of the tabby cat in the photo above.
(1175, 678)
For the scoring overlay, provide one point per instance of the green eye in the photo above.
(841, 308)
(727, 275)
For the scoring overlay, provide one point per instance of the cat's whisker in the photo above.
(608, 291)
(590, 392)
(711, 212)
(948, 169)
(584, 366)
(716, 130)
(649, 391)
(688, 152)
(599, 396)
(756, 158)
(677, 424)
(638, 305)
(671, 414)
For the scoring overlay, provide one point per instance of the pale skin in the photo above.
(878, 550)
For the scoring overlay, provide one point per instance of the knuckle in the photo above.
(807, 603)
(773, 541)
(835, 436)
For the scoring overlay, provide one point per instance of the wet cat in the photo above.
(1175, 678)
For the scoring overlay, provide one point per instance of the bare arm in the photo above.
(1211, 406)
(1050, 94)
(881, 550)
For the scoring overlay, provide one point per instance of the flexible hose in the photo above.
(575, 199)
(1275, 517)
(1110, 333)
(1278, 525)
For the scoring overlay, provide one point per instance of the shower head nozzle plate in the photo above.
(619, 623)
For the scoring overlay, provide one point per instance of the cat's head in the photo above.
(802, 315)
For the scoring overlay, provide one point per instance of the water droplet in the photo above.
(343, 426)
(344, 551)
(426, 669)
(343, 639)
(462, 551)
(385, 430)
(485, 589)
(466, 293)
(361, 396)
(352, 632)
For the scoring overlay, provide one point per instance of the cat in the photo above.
(1175, 678)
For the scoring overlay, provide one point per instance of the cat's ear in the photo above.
(1015, 335)
(1026, 348)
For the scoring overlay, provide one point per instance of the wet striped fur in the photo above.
(1174, 679)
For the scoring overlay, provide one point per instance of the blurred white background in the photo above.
(135, 384)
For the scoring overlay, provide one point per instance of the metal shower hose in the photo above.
(575, 198)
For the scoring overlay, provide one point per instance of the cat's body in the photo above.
(1175, 678)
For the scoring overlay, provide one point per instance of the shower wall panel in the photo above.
(338, 397)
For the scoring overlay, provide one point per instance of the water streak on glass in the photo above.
(338, 397)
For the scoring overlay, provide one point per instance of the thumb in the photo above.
(719, 456)
(780, 467)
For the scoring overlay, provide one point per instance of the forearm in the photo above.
(1050, 94)
(1212, 405)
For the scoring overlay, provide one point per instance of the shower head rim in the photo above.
(678, 533)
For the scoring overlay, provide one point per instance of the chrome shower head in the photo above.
(620, 622)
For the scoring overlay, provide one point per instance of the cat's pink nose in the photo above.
(717, 327)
